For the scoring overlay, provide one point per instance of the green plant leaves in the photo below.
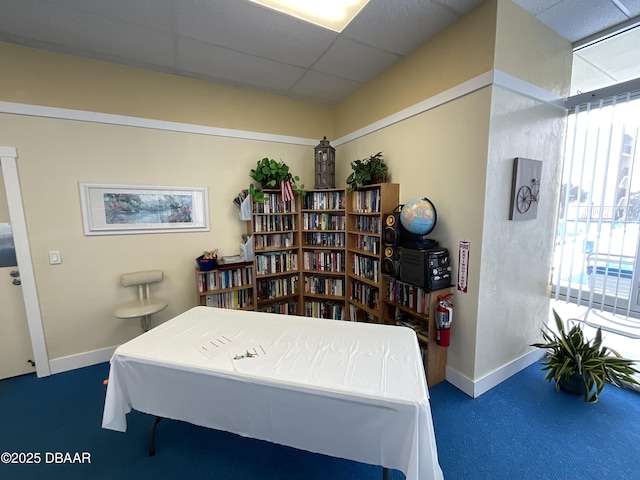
(269, 173)
(570, 353)
(365, 170)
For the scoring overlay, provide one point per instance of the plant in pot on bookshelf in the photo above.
(369, 171)
(582, 366)
(271, 174)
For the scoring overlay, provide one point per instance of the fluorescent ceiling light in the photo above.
(332, 14)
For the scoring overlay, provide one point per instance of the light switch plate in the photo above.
(54, 257)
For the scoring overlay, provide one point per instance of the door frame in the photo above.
(8, 164)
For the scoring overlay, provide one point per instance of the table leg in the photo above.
(385, 473)
(152, 436)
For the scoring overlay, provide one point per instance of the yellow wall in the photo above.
(460, 155)
(428, 155)
(55, 80)
(531, 51)
(457, 154)
(458, 53)
(78, 297)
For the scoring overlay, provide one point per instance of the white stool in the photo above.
(145, 306)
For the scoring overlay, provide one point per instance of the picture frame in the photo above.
(525, 189)
(126, 209)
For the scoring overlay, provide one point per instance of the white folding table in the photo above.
(350, 390)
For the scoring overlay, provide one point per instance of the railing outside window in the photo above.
(597, 236)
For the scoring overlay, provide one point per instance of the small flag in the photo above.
(286, 190)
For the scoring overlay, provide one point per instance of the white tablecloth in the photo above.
(345, 389)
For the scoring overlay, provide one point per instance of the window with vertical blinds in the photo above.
(596, 247)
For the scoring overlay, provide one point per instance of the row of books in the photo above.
(326, 261)
(219, 279)
(236, 299)
(290, 308)
(317, 239)
(367, 224)
(412, 296)
(324, 201)
(324, 285)
(274, 240)
(276, 287)
(276, 262)
(329, 310)
(323, 221)
(274, 204)
(365, 294)
(365, 267)
(414, 324)
(366, 201)
(368, 243)
(273, 223)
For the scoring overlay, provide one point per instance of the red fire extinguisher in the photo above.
(444, 317)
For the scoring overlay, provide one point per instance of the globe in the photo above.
(418, 216)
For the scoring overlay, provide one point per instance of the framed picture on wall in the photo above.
(525, 191)
(118, 209)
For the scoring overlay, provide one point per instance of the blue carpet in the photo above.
(63, 413)
(524, 429)
(521, 429)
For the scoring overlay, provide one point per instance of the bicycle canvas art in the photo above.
(525, 193)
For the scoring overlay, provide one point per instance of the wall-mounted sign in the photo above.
(464, 249)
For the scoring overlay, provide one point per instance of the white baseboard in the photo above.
(475, 388)
(86, 359)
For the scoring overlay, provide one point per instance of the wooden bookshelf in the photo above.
(366, 286)
(228, 286)
(323, 249)
(275, 227)
(414, 307)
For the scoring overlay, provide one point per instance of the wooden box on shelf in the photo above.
(227, 286)
(323, 253)
(276, 242)
(366, 286)
(414, 307)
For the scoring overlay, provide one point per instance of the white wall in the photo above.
(516, 255)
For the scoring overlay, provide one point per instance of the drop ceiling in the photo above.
(241, 43)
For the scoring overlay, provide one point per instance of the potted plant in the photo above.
(269, 174)
(368, 171)
(582, 366)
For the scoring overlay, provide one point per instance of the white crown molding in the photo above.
(128, 121)
(492, 77)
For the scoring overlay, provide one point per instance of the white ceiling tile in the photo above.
(461, 6)
(586, 77)
(242, 43)
(534, 7)
(354, 61)
(325, 88)
(618, 56)
(632, 5)
(563, 19)
(399, 26)
(71, 29)
(156, 14)
(250, 28)
(221, 63)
